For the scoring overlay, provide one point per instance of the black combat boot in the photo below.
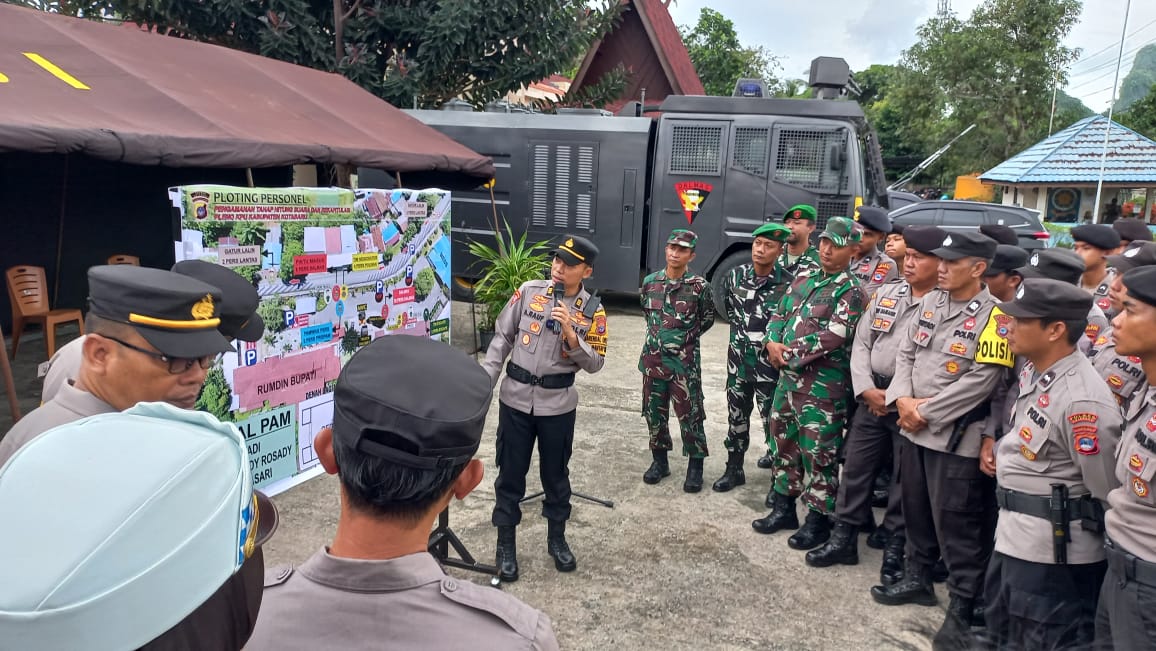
(939, 573)
(556, 545)
(843, 547)
(770, 499)
(816, 531)
(659, 468)
(782, 516)
(766, 461)
(955, 634)
(892, 569)
(878, 538)
(734, 475)
(914, 588)
(693, 483)
(881, 489)
(506, 556)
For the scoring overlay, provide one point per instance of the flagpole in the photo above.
(1111, 108)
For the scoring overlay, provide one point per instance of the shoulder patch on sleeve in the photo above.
(278, 575)
(518, 616)
(598, 333)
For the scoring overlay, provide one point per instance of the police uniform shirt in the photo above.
(1100, 292)
(937, 360)
(874, 270)
(1131, 520)
(880, 333)
(64, 366)
(522, 335)
(69, 404)
(1066, 430)
(401, 603)
(1123, 374)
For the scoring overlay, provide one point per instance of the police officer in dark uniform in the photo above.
(408, 415)
(152, 335)
(1128, 596)
(550, 330)
(872, 267)
(1094, 243)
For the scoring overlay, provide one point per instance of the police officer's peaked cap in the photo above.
(1058, 264)
(1100, 236)
(1000, 233)
(1132, 229)
(413, 401)
(1138, 254)
(1141, 284)
(966, 244)
(576, 250)
(1007, 258)
(875, 219)
(177, 314)
(239, 318)
(150, 515)
(924, 238)
(1044, 298)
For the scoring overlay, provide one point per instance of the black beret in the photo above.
(239, 318)
(414, 401)
(925, 239)
(1100, 236)
(1141, 284)
(1000, 233)
(1132, 229)
(1044, 298)
(875, 219)
(1064, 265)
(897, 229)
(1007, 258)
(577, 250)
(966, 244)
(1138, 254)
(177, 314)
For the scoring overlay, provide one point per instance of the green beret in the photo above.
(801, 211)
(776, 232)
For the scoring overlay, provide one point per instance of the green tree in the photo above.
(1141, 116)
(1136, 85)
(216, 396)
(289, 250)
(719, 57)
(249, 272)
(423, 283)
(418, 52)
(996, 70)
(272, 313)
(350, 340)
(902, 145)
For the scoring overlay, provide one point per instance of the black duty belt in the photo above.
(881, 381)
(552, 381)
(1078, 508)
(1129, 566)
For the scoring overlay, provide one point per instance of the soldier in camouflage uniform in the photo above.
(679, 308)
(752, 292)
(798, 258)
(809, 340)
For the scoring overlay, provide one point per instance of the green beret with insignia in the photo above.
(776, 232)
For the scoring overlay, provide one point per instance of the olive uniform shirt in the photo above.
(401, 603)
(1066, 430)
(521, 334)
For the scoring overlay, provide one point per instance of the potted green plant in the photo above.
(504, 270)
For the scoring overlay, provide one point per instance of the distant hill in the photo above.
(1069, 110)
(1140, 79)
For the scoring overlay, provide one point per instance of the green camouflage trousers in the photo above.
(750, 381)
(808, 433)
(686, 392)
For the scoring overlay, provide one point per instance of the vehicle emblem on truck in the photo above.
(693, 195)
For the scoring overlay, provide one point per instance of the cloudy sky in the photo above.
(877, 31)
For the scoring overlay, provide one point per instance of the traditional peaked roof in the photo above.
(648, 43)
(1073, 156)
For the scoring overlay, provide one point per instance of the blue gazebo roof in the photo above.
(1073, 156)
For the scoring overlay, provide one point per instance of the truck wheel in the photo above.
(720, 273)
(461, 289)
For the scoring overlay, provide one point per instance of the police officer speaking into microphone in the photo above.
(549, 330)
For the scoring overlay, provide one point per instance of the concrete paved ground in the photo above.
(662, 569)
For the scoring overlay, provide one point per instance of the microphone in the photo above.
(559, 290)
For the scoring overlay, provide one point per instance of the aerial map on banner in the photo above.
(335, 269)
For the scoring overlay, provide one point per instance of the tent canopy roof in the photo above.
(76, 86)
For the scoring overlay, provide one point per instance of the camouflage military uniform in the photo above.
(678, 312)
(806, 261)
(816, 321)
(750, 303)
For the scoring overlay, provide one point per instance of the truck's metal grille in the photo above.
(750, 150)
(803, 158)
(563, 185)
(695, 149)
(540, 168)
(829, 209)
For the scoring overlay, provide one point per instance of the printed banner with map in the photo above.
(335, 269)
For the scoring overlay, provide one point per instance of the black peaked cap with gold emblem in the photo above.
(177, 314)
(577, 250)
